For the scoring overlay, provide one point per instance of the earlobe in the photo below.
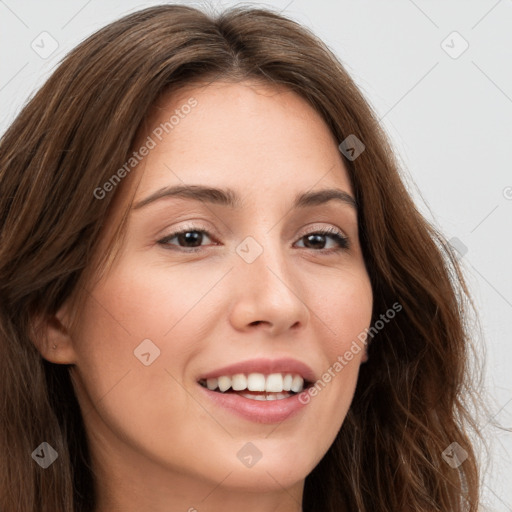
(53, 340)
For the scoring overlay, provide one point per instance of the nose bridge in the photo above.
(267, 289)
(264, 260)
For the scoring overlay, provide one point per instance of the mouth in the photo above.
(260, 390)
(258, 386)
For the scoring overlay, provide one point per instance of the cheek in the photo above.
(342, 312)
(342, 307)
(150, 300)
(140, 302)
(129, 373)
(139, 330)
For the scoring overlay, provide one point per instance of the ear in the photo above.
(52, 337)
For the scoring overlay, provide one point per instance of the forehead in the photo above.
(248, 136)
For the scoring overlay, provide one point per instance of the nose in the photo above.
(267, 294)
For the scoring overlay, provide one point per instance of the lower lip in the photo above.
(259, 411)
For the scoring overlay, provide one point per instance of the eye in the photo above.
(190, 239)
(317, 238)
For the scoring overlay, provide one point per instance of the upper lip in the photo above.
(266, 366)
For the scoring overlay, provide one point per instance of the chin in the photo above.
(270, 469)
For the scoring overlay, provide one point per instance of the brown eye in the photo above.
(317, 240)
(188, 238)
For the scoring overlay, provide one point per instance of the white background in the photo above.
(450, 119)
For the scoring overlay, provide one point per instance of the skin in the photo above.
(157, 443)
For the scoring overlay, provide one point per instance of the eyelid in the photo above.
(310, 228)
(342, 240)
(192, 227)
(313, 228)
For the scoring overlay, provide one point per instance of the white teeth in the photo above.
(224, 383)
(211, 383)
(239, 382)
(259, 398)
(272, 383)
(287, 382)
(256, 382)
(269, 396)
(297, 383)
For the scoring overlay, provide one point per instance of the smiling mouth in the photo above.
(258, 386)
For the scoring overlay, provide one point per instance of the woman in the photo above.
(312, 355)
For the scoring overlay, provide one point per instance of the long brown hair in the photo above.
(70, 139)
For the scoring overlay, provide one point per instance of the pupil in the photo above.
(316, 238)
(188, 237)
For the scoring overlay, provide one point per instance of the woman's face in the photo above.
(253, 283)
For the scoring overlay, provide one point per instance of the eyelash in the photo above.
(335, 234)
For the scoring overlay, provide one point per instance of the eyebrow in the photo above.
(229, 198)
